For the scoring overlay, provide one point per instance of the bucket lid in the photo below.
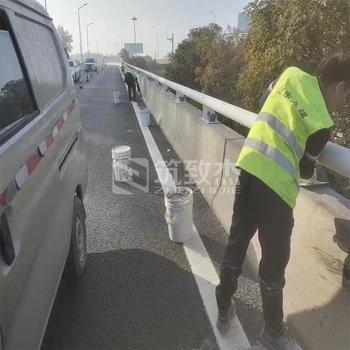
(120, 150)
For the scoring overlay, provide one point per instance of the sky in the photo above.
(113, 26)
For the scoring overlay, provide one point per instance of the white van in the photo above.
(42, 173)
(74, 70)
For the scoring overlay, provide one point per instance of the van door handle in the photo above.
(7, 249)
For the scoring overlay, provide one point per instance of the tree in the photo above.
(191, 55)
(143, 62)
(222, 63)
(209, 60)
(124, 55)
(282, 33)
(66, 38)
(293, 32)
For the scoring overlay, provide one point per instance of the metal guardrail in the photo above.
(333, 157)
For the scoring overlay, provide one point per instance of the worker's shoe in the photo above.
(225, 318)
(279, 341)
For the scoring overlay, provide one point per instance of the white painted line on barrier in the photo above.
(199, 260)
(162, 170)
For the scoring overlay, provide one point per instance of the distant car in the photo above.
(81, 66)
(42, 173)
(75, 70)
(91, 65)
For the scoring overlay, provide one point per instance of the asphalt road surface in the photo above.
(138, 290)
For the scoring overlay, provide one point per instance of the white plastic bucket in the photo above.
(116, 97)
(179, 214)
(121, 159)
(145, 117)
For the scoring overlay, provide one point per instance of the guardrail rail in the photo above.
(333, 157)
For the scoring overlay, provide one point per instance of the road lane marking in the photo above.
(198, 257)
(86, 105)
(98, 87)
(207, 279)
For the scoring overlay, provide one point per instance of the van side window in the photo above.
(45, 60)
(15, 98)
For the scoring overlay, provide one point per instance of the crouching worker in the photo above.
(132, 83)
(283, 145)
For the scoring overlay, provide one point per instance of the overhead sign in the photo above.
(133, 48)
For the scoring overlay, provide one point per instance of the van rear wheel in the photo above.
(76, 260)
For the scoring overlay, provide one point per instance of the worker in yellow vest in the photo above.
(283, 145)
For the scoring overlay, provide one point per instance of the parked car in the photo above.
(42, 173)
(75, 70)
(91, 65)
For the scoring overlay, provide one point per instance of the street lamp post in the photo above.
(157, 45)
(213, 13)
(45, 5)
(81, 45)
(134, 19)
(172, 39)
(87, 37)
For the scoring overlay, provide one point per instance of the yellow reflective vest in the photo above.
(294, 110)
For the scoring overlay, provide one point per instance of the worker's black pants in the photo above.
(132, 92)
(257, 207)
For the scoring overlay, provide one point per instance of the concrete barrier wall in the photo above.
(317, 305)
(181, 122)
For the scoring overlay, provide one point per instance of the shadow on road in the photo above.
(328, 326)
(129, 299)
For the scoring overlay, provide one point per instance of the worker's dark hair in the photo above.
(336, 70)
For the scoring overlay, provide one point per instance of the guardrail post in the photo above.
(163, 87)
(180, 97)
(209, 116)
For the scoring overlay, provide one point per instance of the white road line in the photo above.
(97, 87)
(85, 105)
(199, 260)
(207, 279)
(100, 99)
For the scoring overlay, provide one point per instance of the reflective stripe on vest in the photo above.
(294, 110)
(274, 154)
(283, 131)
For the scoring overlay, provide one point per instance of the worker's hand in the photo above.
(309, 182)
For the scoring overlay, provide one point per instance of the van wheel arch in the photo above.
(77, 255)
